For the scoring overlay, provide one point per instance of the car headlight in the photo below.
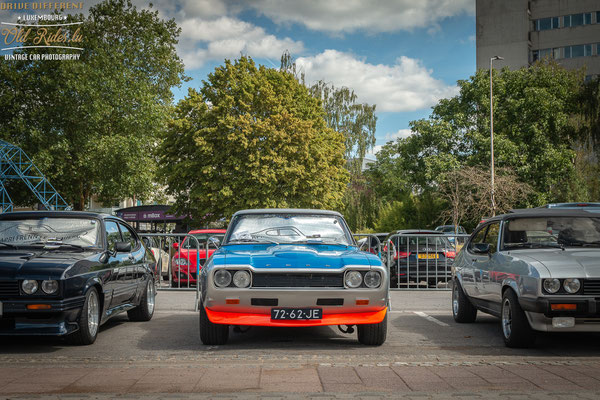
(372, 279)
(241, 279)
(50, 287)
(182, 262)
(29, 286)
(551, 285)
(572, 285)
(222, 278)
(353, 279)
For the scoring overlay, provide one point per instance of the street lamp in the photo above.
(492, 129)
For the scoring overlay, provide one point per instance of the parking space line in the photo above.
(430, 318)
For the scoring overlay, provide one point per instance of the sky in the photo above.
(401, 55)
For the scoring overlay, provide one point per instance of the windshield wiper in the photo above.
(249, 240)
(591, 244)
(533, 245)
(12, 246)
(57, 245)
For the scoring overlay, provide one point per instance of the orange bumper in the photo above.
(246, 319)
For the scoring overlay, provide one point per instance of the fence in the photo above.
(416, 261)
(180, 258)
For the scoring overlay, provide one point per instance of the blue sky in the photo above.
(402, 55)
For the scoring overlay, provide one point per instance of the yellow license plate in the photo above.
(427, 255)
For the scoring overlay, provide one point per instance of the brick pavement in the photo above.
(425, 380)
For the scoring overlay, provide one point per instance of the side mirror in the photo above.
(214, 241)
(176, 245)
(481, 248)
(123, 247)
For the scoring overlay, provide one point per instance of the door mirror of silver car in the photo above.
(481, 248)
(214, 241)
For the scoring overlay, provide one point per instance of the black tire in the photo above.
(212, 334)
(88, 328)
(373, 334)
(463, 310)
(516, 330)
(145, 310)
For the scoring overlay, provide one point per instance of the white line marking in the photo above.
(430, 318)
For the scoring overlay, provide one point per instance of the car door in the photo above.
(486, 285)
(133, 262)
(470, 268)
(115, 261)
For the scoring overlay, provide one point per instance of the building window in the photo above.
(576, 51)
(587, 18)
(546, 23)
(556, 53)
(598, 17)
(587, 50)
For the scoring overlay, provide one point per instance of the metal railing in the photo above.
(416, 261)
(179, 258)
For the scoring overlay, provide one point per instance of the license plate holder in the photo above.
(296, 313)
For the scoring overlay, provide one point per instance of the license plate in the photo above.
(296, 313)
(428, 255)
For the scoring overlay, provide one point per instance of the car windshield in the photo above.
(199, 239)
(80, 232)
(421, 240)
(290, 228)
(552, 232)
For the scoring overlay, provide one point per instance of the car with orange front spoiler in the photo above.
(292, 268)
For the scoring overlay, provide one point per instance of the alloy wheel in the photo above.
(150, 296)
(506, 318)
(93, 315)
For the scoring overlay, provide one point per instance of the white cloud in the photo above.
(226, 37)
(340, 16)
(401, 133)
(405, 86)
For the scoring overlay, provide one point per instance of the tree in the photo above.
(250, 138)
(468, 193)
(92, 124)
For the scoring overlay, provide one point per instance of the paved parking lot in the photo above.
(426, 354)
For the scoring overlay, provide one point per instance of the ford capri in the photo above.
(537, 270)
(65, 273)
(292, 268)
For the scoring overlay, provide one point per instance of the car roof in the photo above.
(207, 231)
(571, 205)
(546, 212)
(418, 231)
(287, 211)
(46, 213)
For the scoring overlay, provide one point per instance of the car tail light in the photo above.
(402, 254)
(450, 253)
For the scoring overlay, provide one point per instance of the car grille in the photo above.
(268, 280)
(9, 288)
(591, 287)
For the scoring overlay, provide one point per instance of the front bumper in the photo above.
(60, 319)
(539, 312)
(253, 319)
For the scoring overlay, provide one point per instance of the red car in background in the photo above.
(194, 249)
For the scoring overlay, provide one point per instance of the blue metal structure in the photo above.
(15, 164)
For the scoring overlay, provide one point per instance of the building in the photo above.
(523, 32)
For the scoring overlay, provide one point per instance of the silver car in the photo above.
(537, 270)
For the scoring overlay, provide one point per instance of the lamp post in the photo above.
(492, 129)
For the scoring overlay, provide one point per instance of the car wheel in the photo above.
(212, 334)
(373, 334)
(145, 310)
(462, 309)
(89, 320)
(516, 330)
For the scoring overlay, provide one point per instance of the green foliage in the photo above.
(534, 136)
(411, 212)
(250, 138)
(92, 124)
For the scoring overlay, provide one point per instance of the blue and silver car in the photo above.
(292, 267)
(537, 270)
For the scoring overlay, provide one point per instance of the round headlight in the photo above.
(182, 262)
(49, 287)
(353, 279)
(372, 279)
(241, 279)
(551, 285)
(29, 286)
(572, 285)
(222, 278)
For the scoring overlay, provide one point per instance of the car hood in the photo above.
(293, 256)
(37, 264)
(570, 263)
